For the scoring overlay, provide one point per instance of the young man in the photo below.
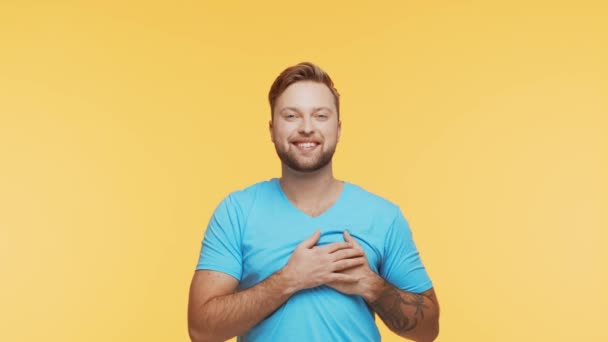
(308, 257)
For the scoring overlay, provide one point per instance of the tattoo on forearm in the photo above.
(389, 308)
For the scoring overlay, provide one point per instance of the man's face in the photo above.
(305, 127)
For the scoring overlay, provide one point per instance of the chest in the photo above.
(269, 241)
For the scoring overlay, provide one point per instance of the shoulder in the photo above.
(372, 201)
(244, 198)
(235, 207)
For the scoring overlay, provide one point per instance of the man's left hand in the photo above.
(368, 282)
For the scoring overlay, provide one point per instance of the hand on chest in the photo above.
(267, 246)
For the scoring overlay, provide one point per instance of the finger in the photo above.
(347, 253)
(345, 264)
(311, 241)
(341, 277)
(349, 238)
(336, 246)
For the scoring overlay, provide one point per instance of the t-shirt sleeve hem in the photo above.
(420, 287)
(231, 273)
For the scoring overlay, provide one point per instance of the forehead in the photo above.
(306, 94)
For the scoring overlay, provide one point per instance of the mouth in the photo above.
(305, 146)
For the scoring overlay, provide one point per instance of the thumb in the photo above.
(312, 240)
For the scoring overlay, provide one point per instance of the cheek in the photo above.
(283, 131)
(280, 138)
(330, 134)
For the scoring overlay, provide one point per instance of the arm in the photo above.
(409, 315)
(216, 312)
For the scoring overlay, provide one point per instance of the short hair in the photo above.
(304, 71)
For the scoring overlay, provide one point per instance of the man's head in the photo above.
(305, 124)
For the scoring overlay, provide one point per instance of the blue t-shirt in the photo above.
(254, 231)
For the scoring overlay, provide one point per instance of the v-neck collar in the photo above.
(300, 212)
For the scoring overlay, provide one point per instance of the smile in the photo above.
(306, 146)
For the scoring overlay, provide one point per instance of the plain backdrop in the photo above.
(124, 123)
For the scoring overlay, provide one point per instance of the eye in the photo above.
(322, 115)
(290, 115)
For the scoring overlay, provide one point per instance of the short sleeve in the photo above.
(401, 265)
(221, 246)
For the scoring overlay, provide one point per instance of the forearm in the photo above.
(410, 315)
(224, 317)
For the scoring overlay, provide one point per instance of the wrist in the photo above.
(287, 282)
(374, 288)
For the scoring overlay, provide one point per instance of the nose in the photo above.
(306, 126)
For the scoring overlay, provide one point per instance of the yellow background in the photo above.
(122, 125)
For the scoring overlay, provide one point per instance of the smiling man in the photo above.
(307, 257)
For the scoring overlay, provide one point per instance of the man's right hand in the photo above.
(310, 266)
(217, 311)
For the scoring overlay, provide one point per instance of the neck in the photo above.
(306, 187)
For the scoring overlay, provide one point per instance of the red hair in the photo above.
(304, 71)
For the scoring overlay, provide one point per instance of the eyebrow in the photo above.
(315, 109)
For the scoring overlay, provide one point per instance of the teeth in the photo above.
(306, 145)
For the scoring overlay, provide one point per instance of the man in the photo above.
(308, 257)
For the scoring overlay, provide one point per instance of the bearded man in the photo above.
(307, 257)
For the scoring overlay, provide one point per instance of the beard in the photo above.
(298, 163)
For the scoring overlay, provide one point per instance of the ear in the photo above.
(339, 129)
(270, 130)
